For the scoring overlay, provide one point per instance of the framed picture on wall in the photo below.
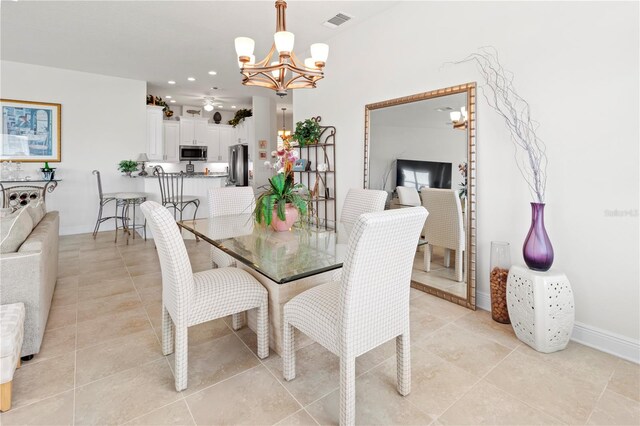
(262, 155)
(30, 131)
(262, 144)
(301, 165)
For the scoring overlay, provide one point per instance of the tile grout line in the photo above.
(267, 368)
(75, 352)
(604, 389)
(476, 382)
(146, 313)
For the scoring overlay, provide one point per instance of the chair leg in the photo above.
(288, 352)
(97, 227)
(347, 391)
(427, 258)
(167, 332)
(237, 320)
(403, 356)
(195, 212)
(459, 265)
(262, 324)
(447, 257)
(5, 396)
(115, 219)
(181, 367)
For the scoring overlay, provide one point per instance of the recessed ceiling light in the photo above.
(171, 82)
(173, 101)
(212, 73)
(168, 96)
(191, 78)
(233, 107)
(219, 106)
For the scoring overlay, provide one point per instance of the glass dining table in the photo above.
(286, 263)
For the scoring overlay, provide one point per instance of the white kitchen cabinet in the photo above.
(226, 140)
(193, 131)
(155, 143)
(219, 138)
(171, 141)
(213, 143)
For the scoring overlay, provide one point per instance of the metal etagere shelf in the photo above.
(321, 183)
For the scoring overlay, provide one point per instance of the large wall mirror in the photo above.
(421, 149)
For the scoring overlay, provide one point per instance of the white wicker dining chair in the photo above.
(444, 227)
(231, 200)
(408, 196)
(359, 201)
(367, 307)
(189, 299)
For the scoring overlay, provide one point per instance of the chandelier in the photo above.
(287, 72)
(459, 118)
(284, 133)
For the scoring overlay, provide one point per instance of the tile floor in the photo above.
(440, 276)
(101, 364)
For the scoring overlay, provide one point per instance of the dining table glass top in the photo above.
(303, 251)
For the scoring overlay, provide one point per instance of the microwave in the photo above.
(193, 153)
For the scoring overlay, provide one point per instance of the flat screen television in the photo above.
(423, 173)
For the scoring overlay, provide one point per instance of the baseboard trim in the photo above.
(587, 335)
(607, 341)
(483, 301)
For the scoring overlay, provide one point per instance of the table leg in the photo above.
(134, 220)
(279, 294)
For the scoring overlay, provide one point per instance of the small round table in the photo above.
(128, 199)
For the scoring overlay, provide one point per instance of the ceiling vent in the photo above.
(337, 20)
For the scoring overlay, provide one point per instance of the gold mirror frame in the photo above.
(470, 254)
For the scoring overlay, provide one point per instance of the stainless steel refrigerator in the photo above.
(238, 165)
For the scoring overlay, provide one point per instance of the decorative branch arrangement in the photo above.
(530, 150)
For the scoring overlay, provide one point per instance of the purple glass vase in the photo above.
(537, 249)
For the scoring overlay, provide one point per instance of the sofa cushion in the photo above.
(14, 229)
(11, 328)
(5, 212)
(36, 211)
(40, 234)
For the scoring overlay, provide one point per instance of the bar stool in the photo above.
(106, 198)
(172, 195)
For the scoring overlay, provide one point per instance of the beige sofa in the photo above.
(29, 276)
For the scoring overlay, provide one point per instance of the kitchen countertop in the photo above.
(194, 176)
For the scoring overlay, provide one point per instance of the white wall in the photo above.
(103, 122)
(264, 120)
(577, 65)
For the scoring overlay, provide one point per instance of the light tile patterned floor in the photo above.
(101, 363)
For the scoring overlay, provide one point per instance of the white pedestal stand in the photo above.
(541, 308)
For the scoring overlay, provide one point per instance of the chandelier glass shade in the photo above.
(459, 118)
(287, 72)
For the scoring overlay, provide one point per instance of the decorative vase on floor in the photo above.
(537, 249)
(291, 215)
(541, 308)
(500, 264)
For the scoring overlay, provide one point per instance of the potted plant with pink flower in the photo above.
(284, 200)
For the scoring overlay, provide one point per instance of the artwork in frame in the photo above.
(301, 165)
(30, 131)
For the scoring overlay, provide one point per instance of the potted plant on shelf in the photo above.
(127, 167)
(283, 200)
(240, 115)
(307, 132)
(156, 100)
